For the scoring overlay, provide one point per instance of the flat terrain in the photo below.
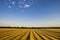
(29, 34)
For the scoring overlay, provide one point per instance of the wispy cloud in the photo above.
(27, 6)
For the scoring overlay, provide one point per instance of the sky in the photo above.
(30, 13)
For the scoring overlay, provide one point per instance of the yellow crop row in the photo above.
(29, 34)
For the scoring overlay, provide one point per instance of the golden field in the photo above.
(29, 34)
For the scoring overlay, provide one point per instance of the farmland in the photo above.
(29, 34)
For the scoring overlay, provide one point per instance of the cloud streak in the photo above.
(27, 6)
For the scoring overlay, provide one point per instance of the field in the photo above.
(29, 34)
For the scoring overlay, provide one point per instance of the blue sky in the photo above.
(42, 13)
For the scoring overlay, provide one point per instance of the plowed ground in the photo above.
(29, 34)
